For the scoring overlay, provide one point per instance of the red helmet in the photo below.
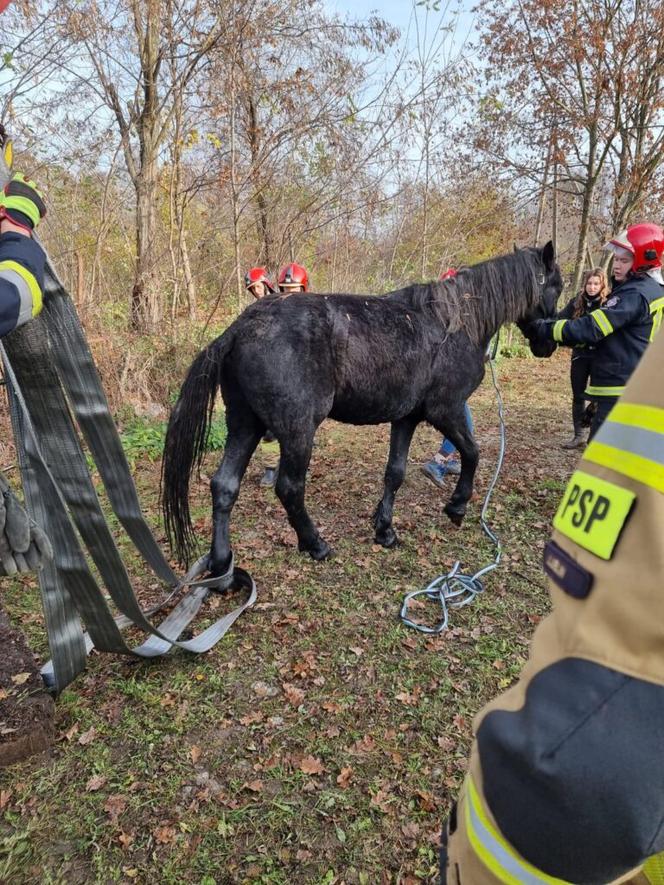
(257, 275)
(448, 274)
(645, 242)
(293, 275)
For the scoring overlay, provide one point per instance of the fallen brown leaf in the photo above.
(255, 786)
(20, 678)
(125, 839)
(311, 765)
(96, 782)
(195, 753)
(427, 800)
(88, 736)
(332, 707)
(344, 777)
(115, 805)
(294, 695)
(381, 800)
(165, 835)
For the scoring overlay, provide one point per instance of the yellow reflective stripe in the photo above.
(636, 415)
(558, 330)
(494, 851)
(654, 869)
(657, 312)
(593, 390)
(637, 467)
(602, 321)
(30, 281)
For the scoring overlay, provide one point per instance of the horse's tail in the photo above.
(186, 439)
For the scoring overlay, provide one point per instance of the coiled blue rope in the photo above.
(455, 589)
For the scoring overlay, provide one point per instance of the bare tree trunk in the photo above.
(541, 203)
(554, 209)
(234, 192)
(189, 283)
(80, 281)
(145, 302)
(263, 221)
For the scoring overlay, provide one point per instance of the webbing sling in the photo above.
(44, 360)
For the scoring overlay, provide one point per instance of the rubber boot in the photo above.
(578, 441)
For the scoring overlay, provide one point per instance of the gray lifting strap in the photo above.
(50, 374)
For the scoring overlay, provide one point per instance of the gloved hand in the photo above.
(541, 330)
(22, 202)
(23, 545)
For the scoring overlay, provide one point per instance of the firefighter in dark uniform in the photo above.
(23, 545)
(622, 328)
(566, 775)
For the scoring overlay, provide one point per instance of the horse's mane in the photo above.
(479, 299)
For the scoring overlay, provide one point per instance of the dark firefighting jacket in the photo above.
(620, 331)
(21, 280)
(566, 777)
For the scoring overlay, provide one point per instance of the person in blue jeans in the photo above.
(446, 460)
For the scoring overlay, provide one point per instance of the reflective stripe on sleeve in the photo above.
(656, 312)
(602, 321)
(494, 852)
(654, 869)
(631, 442)
(594, 390)
(558, 330)
(27, 286)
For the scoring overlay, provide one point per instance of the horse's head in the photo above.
(550, 286)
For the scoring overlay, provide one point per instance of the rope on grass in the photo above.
(454, 589)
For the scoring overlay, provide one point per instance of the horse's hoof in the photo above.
(218, 567)
(320, 552)
(387, 539)
(456, 516)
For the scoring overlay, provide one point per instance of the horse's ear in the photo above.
(549, 255)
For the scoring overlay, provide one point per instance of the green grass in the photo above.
(143, 439)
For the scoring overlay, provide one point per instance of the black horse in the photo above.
(412, 355)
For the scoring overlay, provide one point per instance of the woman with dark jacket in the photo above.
(594, 293)
(629, 319)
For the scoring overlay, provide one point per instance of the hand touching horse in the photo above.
(286, 364)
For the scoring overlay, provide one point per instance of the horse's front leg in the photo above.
(225, 487)
(453, 424)
(291, 478)
(395, 471)
(460, 435)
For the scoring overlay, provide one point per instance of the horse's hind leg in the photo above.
(243, 437)
(293, 464)
(454, 426)
(400, 439)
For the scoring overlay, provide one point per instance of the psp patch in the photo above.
(569, 575)
(593, 513)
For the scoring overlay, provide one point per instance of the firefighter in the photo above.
(566, 782)
(23, 545)
(293, 278)
(622, 328)
(257, 281)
